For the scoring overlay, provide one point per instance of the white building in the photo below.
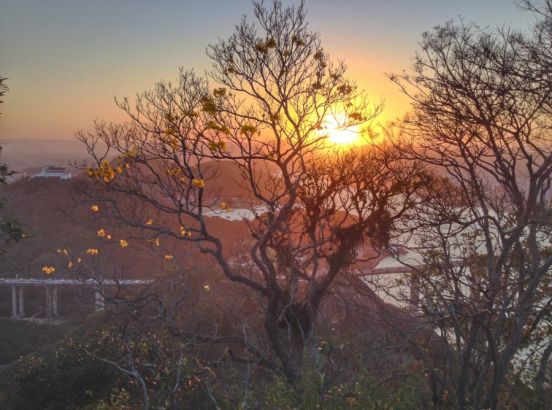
(54, 172)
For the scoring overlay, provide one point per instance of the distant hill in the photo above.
(58, 217)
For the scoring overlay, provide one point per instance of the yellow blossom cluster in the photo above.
(95, 208)
(105, 171)
(173, 171)
(103, 234)
(48, 270)
(198, 183)
(184, 232)
(168, 257)
(123, 243)
(92, 251)
(225, 207)
(62, 251)
(149, 221)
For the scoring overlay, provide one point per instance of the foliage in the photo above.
(363, 392)
(19, 338)
(62, 379)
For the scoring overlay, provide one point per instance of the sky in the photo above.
(66, 60)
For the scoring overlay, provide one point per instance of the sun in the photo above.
(338, 134)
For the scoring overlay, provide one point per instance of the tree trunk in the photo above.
(541, 377)
(289, 334)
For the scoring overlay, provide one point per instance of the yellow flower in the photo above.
(101, 233)
(95, 208)
(168, 257)
(225, 207)
(207, 288)
(149, 222)
(105, 171)
(173, 171)
(48, 270)
(69, 265)
(155, 241)
(92, 251)
(199, 183)
(108, 236)
(123, 243)
(184, 232)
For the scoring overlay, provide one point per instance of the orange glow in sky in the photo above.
(338, 134)
(65, 61)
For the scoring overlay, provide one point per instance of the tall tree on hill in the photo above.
(10, 228)
(483, 117)
(4, 172)
(3, 87)
(276, 92)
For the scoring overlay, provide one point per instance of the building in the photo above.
(54, 172)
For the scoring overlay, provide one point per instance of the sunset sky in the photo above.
(66, 59)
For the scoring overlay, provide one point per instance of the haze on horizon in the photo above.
(66, 60)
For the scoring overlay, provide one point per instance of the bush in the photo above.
(364, 392)
(61, 379)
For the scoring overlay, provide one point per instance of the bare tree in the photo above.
(3, 87)
(267, 115)
(483, 118)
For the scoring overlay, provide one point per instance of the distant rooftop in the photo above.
(54, 172)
